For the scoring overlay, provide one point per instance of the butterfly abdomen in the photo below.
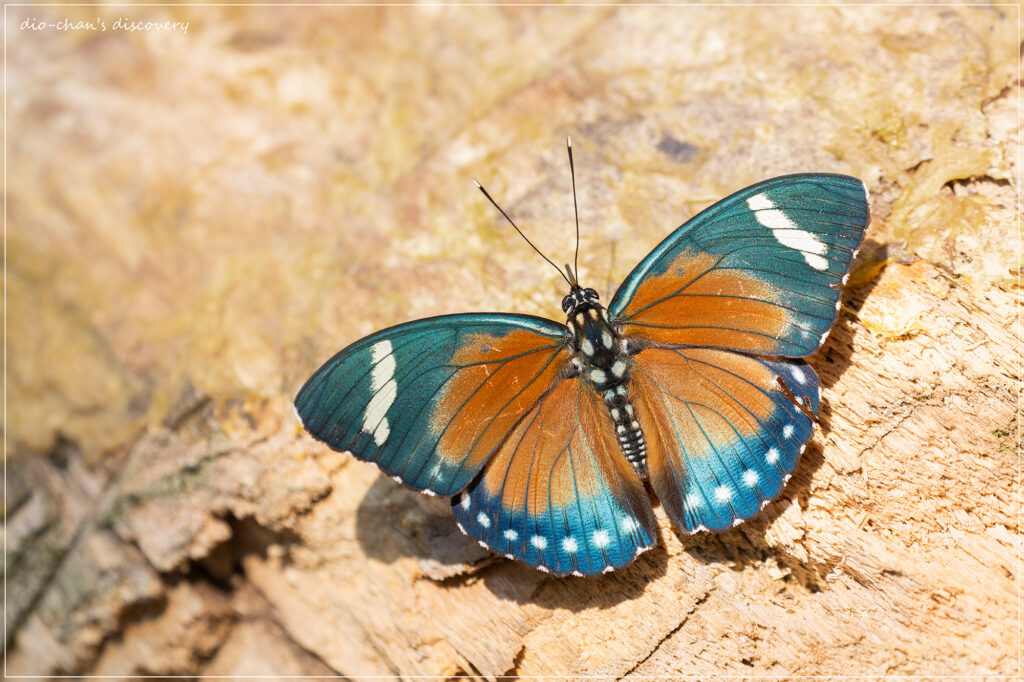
(630, 436)
(604, 365)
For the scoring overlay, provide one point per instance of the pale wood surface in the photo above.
(197, 220)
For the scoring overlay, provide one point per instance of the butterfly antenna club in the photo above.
(502, 211)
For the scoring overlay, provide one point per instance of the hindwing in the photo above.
(558, 494)
(724, 430)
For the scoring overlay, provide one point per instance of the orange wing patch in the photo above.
(562, 451)
(501, 377)
(692, 303)
(721, 390)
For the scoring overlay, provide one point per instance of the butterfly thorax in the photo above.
(602, 361)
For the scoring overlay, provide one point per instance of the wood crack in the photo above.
(669, 634)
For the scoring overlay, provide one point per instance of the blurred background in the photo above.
(204, 203)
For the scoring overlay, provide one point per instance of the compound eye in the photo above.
(566, 304)
(590, 294)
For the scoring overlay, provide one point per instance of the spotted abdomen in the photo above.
(627, 429)
(603, 357)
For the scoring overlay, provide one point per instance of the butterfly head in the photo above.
(579, 299)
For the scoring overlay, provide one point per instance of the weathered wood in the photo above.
(196, 220)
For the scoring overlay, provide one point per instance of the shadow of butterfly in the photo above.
(544, 433)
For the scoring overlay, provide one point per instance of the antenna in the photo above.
(576, 210)
(572, 276)
(481, 188)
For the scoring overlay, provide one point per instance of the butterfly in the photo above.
(546, 435)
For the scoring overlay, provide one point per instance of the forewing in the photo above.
(723, 430)
(558, 494)
(430, 400)
(758, 272)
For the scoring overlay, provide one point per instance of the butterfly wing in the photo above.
(558, 494)
(430, 400)
(723, 430)
(757, 272)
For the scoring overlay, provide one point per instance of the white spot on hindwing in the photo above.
(465, 502)
(600, 539)
(383, 389)
(750, 478)
(693, 501)
(539, 541)
(799, 375)
(628, 525)
(483, 520)
(722, 494)
(511, 535)
(787, 233)
(772, 456)
(787, 431)
(569, 545)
